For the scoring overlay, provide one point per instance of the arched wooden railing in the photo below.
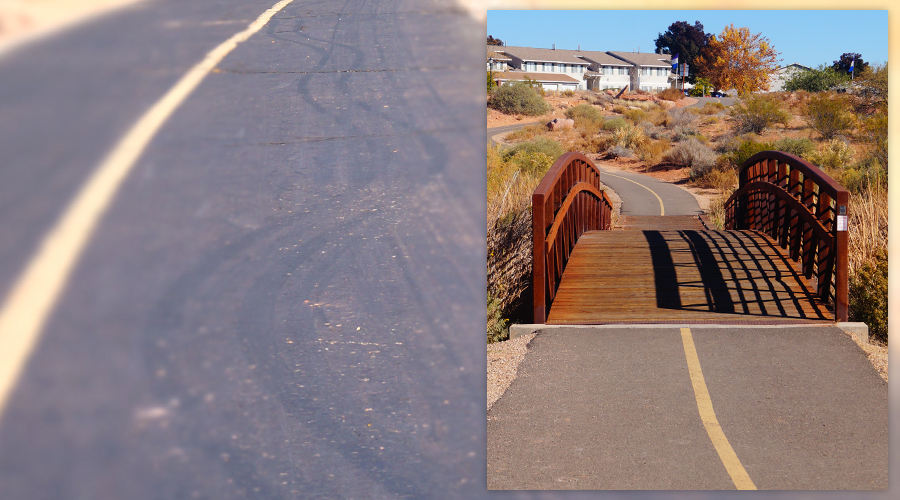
(802, 209)
(566, 203)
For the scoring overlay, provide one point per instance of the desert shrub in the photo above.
(568, 93)
(534, 157)
(526, 133)
(583, 111)
(660, 117)
(618, 108)
(614, 124)
(636, 115)
(875, 132)
(711, 108)
(670, 95)
(652, 152)
(681, 118)
(692, 153)
(518, 98)
(650, 130)
(619, 152)
(709, 120)
(868, 296)
(834, 155)
(828, 116)
(683, 133)
(758, 113)
(745, 150)
(629, 136)
(722, 179)
(801, 147)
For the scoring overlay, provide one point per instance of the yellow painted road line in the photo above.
(708, 416)
(34, 295)
(662, 209)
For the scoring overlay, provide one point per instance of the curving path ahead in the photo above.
(640, 194)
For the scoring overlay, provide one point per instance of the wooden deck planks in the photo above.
(684, 275)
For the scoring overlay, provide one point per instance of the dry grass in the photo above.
(868, 225)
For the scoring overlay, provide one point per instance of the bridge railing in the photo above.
(802, 209)
(567, 202)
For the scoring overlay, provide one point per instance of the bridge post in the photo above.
(842, 266)
(538, 259)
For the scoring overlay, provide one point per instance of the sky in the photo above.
(807, 37)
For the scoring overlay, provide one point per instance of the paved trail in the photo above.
(617, 408)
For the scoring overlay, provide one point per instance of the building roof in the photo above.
(792, 66)
(645, 58)
(539, 77)
(545, 55)
(601, 58)
(496, 51)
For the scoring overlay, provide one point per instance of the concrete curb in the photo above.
(861, 330)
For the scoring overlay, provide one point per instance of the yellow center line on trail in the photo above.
(708, 416)
(662, 209)
(35, 293)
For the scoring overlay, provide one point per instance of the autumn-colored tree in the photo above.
(738, 59)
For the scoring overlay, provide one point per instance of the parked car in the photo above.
(717, 93)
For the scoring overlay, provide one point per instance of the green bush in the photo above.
(835, 155)
(745, 150)
(829, 117)
(802, 147)
(497, 326)
(816, 80)
(518, 98)
(584, 112)
(868, 296)
(614, 124)
(534, 157)
(629, 137)
(636, 115)
(758, 113)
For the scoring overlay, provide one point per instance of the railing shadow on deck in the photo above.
(706, 276)
(804, 211)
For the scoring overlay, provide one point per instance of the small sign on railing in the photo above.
(841, 222)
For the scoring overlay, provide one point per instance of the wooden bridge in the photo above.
(781, 259)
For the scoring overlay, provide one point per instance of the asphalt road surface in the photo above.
(285, 298)
(615, 408)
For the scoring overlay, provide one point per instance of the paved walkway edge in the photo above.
(860, 330)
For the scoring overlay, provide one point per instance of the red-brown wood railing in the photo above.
(567, 202)
(801, 208)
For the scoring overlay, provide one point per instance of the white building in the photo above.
(782, 75)
(650, 72)
(555, 69)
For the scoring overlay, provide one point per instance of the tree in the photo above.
(683, 39)
(738, 59)
(494, 41)
(816, 80)
(842, 65)
(702, 88)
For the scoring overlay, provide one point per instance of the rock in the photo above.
(560, 124)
